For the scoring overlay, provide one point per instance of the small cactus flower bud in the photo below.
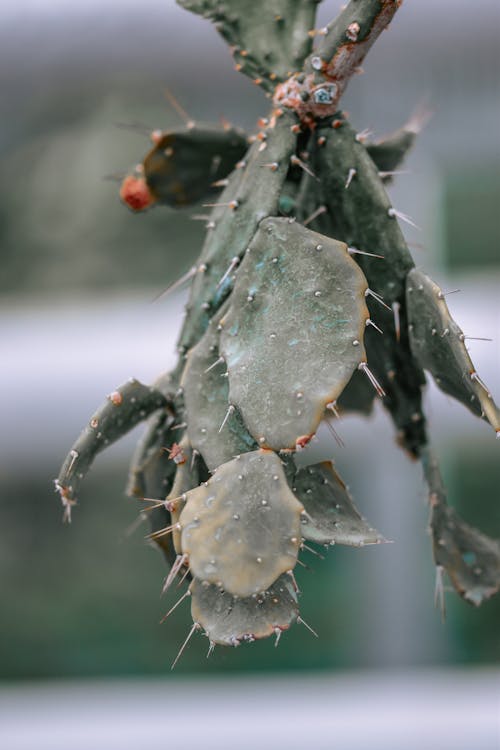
(135, 193)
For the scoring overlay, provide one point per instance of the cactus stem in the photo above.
(176, 284)
(397, 321)
(350, 176)
(218, 361)
(234, 262)
(303, 622)
(439, 600)
(363, 366)
(355, 251)
(369, 322)
(230, 411)
(394, 213)
(319, 211)
(377, 297)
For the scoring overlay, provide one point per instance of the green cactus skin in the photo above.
(303, 250)
(241, 529)
(183, 165)
(331, 516)
(312, 331)
(229, 620)
(443, 353)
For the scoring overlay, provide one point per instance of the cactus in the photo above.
(304, 303)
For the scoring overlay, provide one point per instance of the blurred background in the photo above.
(77, 318)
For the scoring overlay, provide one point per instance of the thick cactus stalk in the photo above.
(304, 303)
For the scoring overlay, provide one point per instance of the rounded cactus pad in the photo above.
(216, 431)
(241, 529)
(229, 620)
(437, 343)
(183, 165)
(293, 334)
(331, 516)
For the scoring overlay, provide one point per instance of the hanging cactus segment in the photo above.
(268, 39)
(125, 407)
(215, 429)
(241, 529)
(311, 332)
(252, 194)
(331, 516)
(470, 558)
(228, 620)
(304, 302)
(183, 165)
(438, 344)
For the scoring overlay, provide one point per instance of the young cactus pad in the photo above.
(304, 303)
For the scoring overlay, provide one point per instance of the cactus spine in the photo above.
(304, 302)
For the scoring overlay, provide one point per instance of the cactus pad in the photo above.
(229, 620)
(311, 333)
(438, 344)
(217, 434)
(183, 165)
(241, 529)
(332, 517)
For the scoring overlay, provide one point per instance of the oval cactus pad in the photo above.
(293, 335)
(229, 620)
(332, 517)
(241, 529)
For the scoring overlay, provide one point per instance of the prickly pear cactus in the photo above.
(304, 303)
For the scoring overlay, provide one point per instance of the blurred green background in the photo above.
(78, 276)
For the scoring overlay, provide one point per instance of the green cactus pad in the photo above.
(183, 165)
(229, 620)
(217, 434)
(253, 191)
(290, 353)
(125, 407)
(241, 529)
(471, 559)
(438, 344)
(267, 38)
(361, 215)
(332, 517)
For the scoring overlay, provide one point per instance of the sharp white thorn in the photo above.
(230, 411)
(351, 174)
(319, 211)
(369, 322)
(363, 366)
(176, 284)
(184, 596)
(439, 600)
(234, 262)
(393, 212)
(195, 627)
(377, 297)
(218, 361)
(355, 251)
(303, 622)
(397, 321)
